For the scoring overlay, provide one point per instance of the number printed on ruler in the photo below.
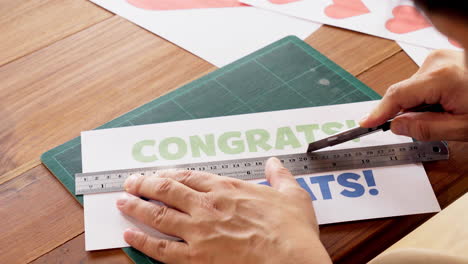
(298, 164)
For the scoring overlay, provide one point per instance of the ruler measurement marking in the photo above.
(298, 164)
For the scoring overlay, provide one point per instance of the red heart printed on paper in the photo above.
(282, 2)
(183, 4)
(346, 8)
(406, 19)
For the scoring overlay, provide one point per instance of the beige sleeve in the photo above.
(417, 256)
(442, 239)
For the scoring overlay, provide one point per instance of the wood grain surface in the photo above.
(27, 26)
(93, 77)
(72, 66)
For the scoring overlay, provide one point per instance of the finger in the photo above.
(165, 190)
(432, 126)
(439, 59)
(197, 180)
(279, 177)
(160, 249)
(404, 95)
(164, 219)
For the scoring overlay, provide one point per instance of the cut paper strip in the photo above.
(183, 4)
(346, 8)
(406, 19)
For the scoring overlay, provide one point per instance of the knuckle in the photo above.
(137, 185)
(445, 71)
(228, 183)
(256, 239)
(208, 202)
(188, 196)
(459, 131)
(157, 215)
(196, 256)
(437, 54)
(160, 248)
(185, 176)
(302, 194)
(283, 172)
(421, 131)
(393, 92)
(464, 125)
(464, 134)
(163, 186)
(141, 241)
(131, 205)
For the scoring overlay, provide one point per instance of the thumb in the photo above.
(432, 126)
(419, 89)
(279, 177)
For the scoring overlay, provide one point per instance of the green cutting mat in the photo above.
(284, 75)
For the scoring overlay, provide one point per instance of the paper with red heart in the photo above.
(183, 4)
(406, 19)
(346, 8)
(193, 4)
(398, 20)
(218, 31)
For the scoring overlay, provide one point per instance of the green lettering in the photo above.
(137, 151)
(284, 137)
(197, 145)
(308, 131)
(178, 154)
(331, 128)
(257, 138)
(231, 147)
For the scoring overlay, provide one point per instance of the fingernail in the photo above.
(276, 162)
(399, 128)
(122, 200)
(130, 234)
(130, 182)
(364, 118)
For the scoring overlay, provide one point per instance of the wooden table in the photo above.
(68, 66)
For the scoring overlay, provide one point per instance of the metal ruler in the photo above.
(298, 164)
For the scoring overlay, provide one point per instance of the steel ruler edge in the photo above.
(298, 164)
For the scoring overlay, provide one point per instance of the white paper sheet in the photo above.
(416, 53)
(398, 190)
(217, 35)
(393, 19)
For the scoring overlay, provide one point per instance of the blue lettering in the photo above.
(304, 185)
(348, 180)
(369, 176)
(265, 183)
(324, 186)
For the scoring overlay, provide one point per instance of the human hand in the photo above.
(442, 79)
(224, 220)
